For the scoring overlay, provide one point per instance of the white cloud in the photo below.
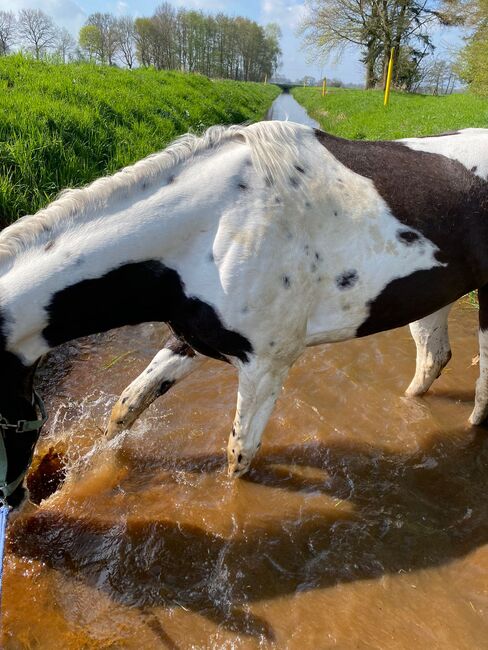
(203, 5)
(283, 12)
(65, 13)
(122, 8)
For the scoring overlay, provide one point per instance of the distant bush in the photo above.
(65, 125)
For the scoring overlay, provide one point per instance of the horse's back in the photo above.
(467, 146)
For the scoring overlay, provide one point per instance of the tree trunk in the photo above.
(370, 61)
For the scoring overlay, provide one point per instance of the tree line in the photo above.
(171, 39)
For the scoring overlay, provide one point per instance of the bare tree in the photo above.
(7, 31)
(438, 77)
(126, 40)
(37, 30)
(65, 44)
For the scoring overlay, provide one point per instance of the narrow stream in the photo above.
(362, 525)
(286, 107)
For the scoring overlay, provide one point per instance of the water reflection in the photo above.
(285, 107)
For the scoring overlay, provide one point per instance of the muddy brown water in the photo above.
(363, 523)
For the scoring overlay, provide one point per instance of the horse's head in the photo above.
(21, 418)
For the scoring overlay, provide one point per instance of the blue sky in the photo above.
(287, 13)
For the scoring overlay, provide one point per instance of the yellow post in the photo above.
(324, 87)
(388, 79)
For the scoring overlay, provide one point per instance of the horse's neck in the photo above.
(121, 268)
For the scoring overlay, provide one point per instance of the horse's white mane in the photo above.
(274, 150)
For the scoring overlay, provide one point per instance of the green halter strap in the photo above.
(22, 426)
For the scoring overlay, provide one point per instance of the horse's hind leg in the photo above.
(480, 411)
(433, 350)
(171, 364)
(260, 383)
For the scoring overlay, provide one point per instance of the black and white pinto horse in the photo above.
(251, 243)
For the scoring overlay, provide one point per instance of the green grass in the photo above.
(65, 125)
(360, 114)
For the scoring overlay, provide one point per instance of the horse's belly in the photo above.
(402, 300)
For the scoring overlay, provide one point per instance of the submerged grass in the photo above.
(360, 114)
(65, 125)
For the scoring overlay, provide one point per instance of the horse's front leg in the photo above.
(171, 364)
(480, 411)
(433, 350)
(260, 383)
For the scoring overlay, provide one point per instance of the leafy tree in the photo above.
(473, 64)
(102, 39)
(90, 41)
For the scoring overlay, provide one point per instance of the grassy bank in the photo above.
(360, 114)
(64, 125)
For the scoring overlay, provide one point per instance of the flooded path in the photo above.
(362, 525)
(286, 107)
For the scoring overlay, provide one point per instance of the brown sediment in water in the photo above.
(46, 475)
(362, 524)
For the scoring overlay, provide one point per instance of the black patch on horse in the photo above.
(164, 387)
(433, 195)
(135, 293)
(179, 347)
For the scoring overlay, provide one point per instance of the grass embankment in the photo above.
(360, 114)
(65, 125)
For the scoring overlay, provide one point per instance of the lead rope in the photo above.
(6, 489)
(4, 510)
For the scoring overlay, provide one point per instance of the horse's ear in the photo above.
(240, 138)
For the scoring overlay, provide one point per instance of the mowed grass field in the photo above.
(65, 125)
(360, 114)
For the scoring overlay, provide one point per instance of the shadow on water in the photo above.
(409, 512)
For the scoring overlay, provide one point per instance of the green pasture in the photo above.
(65, 125)
(360, 114)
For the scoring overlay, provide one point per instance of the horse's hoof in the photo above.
(119, 420)
(477, 419)
(238, 464)
(237, 472)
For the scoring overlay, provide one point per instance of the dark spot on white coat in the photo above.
(407, 237)
(347, 279)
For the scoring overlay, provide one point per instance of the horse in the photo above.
(251, 243)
